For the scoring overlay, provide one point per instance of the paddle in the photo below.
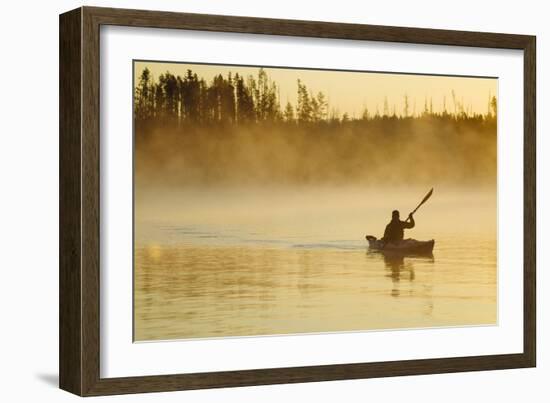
(424, 200)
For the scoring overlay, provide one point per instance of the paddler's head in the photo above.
(395, 215)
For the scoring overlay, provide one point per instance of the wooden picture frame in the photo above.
(79, 280)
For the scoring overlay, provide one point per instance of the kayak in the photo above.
(405, 247)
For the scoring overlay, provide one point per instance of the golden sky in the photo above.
(350, 92)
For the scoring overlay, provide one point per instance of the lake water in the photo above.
(247, 262)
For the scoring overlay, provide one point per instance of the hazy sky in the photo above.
(351, 92)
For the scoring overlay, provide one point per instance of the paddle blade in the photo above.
(424, 200)
(427, 196)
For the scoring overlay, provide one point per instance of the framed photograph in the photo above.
(249, 201)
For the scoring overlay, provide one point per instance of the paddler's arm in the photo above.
(410, 222)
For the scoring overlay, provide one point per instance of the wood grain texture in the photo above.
(530, 203)
(70, 273)
(160, 383)
(80, 201)
(316, 29)
(90, 202)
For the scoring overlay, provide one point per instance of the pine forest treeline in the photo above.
(242, 100)
(235, 128)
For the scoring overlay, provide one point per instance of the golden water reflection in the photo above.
(190, 291)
